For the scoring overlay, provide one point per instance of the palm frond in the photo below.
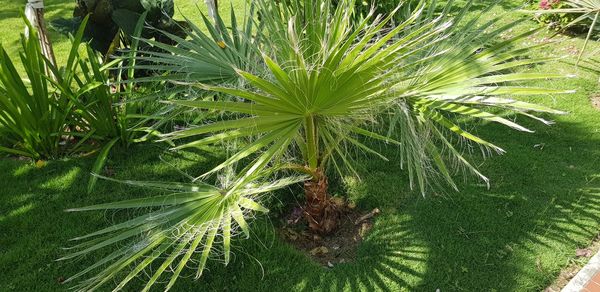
(187, 220)
(321, 86)
(207, 57)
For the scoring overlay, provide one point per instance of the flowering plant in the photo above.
(556, 21)
(549, 4)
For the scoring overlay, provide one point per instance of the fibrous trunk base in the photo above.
(320, 211)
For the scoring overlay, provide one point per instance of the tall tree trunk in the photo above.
(35, 14)
(320, 211)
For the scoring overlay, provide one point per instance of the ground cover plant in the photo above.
(521, 226)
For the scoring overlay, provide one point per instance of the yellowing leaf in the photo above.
(221, 44)
(40, 163)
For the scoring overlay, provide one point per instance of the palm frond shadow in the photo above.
(531, 213)
(385, 262)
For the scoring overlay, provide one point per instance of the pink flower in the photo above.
(545, 4)
(548, 4)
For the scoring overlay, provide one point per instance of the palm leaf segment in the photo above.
(325, 88)
(209, 57)
(189, 219)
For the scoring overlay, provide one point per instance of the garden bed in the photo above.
(543, 205)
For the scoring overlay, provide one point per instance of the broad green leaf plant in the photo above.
(75, 108)
(329, 86)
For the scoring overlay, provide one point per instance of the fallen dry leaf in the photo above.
(321, 250)
(367, 216)
(583, 252)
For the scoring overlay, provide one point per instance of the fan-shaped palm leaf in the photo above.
(326, 87)
(203, 57)
(181, 223)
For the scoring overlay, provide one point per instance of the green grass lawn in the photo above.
(543, 204)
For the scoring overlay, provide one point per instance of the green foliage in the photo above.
(587, 12)
(556, 21)
(382, 7)
(101, 110)
(73, 108)
(327, 85)
(188, 218)
(112, 112)
(33, 113)
(204, 57)
(111, 20)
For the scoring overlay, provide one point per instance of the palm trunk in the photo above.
(320, 211)
(213, 9)
(35, 13)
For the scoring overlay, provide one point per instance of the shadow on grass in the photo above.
(544, 203)
(33, 223)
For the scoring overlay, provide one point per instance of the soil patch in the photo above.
(595, 99)
(582, 256)
(330, 250)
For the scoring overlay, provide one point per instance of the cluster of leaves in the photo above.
(38, 117)
(112, 22)
(558, 21)
(582, 13)
(59, 111)
(382, 7)
(301, 92)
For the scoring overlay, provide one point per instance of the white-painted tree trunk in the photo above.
(213, 9)
(34, 11)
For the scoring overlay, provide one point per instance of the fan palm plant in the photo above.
(328, 81)
(328, 86)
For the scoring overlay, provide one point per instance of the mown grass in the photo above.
(543, 204)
